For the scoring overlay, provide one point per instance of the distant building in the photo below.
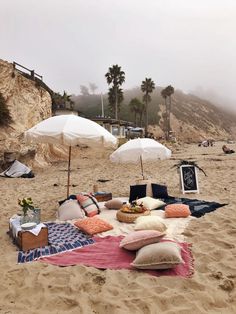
(60, 111)
(117, 128)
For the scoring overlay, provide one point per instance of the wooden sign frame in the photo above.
(187, 177)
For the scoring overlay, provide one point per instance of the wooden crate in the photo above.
(103, 197)
(27, 240)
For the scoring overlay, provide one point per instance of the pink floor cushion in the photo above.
(137, 239)
(177, 211)
(93, 225)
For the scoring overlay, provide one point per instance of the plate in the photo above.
(28, 226)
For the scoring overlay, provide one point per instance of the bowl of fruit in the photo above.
(129, 212)
(133, 208)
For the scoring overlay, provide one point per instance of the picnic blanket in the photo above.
(197, 207)
(106, 253)
(61, 237)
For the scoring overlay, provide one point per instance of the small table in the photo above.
(26, 240)
(130, 217)
(103, 196)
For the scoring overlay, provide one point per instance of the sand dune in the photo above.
(41, 288)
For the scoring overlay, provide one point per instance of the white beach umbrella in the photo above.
(71, 130)
(139, 150)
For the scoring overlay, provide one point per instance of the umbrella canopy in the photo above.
(139, 150)
(71, 130)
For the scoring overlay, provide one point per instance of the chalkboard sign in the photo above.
(189, 180)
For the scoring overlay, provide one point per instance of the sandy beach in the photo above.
(35, 287)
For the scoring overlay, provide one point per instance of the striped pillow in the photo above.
(89, 204)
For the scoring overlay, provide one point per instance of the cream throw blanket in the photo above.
(175, 226)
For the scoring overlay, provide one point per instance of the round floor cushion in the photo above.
(130, 217)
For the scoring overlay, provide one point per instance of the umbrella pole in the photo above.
(141, 161)
(68, 178)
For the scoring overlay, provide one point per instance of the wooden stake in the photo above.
(68, 179)
(141, 166)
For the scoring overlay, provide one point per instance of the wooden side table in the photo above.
(26, 240)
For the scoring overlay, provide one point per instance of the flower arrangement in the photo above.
(26, 204)
(133, 208)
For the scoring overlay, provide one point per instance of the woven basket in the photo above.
(130, 217)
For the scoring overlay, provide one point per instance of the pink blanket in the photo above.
(106, 253)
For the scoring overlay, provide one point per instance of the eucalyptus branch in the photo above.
(185, 162)
(26, 204)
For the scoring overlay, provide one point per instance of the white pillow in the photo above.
(69, 210)
(150, 223)
(162, 255)
(150, 202)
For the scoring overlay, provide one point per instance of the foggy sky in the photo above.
(190, 44)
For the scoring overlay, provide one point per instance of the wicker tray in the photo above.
(130, 217)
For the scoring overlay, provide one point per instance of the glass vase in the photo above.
(37, 215)
(27, 217)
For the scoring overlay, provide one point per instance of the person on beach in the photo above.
(227, 150)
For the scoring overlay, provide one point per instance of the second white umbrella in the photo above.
(139, 150)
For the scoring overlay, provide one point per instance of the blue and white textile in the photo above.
(61, 237)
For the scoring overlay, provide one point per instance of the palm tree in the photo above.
(141, 111)
(135, 105)
(165, 115)
(169, 91)
(67, 100)
(116, 77)
(93, 87)
(147, 87)
(62, 101)
(57, 101)
(115, 98)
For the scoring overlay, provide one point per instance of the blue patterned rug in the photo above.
(61, 238)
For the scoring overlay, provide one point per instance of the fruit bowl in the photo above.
(133, 209)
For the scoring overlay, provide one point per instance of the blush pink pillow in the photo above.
(177, 211)
(93, 225)
(115, 203)
(137, 239)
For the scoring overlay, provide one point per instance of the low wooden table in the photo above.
(103, 196)
(26, 240)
